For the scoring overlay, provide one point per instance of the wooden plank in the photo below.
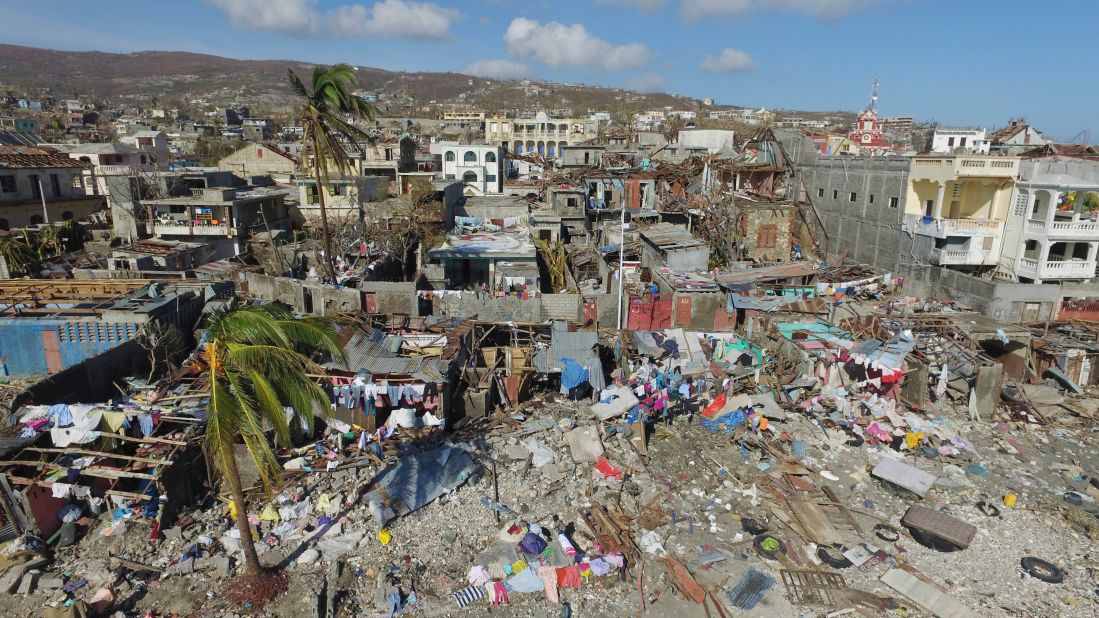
(831, 493)
(155, 462)
(101, 473)
(814, 522)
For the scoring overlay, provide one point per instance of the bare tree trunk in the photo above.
(326, 234)
(252, 566)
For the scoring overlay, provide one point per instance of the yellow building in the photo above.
(962, 202)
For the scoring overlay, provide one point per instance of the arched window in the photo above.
(490, 157)
(36, 220)
(4, 225)
(551, 149)
(67, 215)
(518, 147)
(85, 159)
(469, 177)
(450, 155)
(470, 157)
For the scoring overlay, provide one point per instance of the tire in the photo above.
(931, 541)
(825, 555)
(1040, 569)
(988, 509)
(887, 533)
(753, 526)
(769, 555)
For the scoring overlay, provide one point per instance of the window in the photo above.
(492, 127)
(962, 143)
(871, 198)
(7, 184)
(766, 236)
(893, 202)
(490, 157)
(470, 157)
(950, 142)
(449, 155)
(77, 181)
(835, 194)
(145, 160)
(820, 192)
(852, 197)
(928, 207)
(55, 185)
(36, 189)
(449, 177)
(490, 177)
(36, 220)
(469, 177)
(259, 154)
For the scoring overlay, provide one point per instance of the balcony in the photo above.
(122, 170)
(1064, 230)
(183, 227)
(946, 168)
(942, 228)
(963, 257)
(1066, 269)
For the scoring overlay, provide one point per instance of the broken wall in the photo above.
(765, 233)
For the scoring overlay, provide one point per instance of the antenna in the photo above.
(873, 96)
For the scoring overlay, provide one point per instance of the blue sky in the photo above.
(975, 62)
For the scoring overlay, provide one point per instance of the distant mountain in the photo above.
(176, 78)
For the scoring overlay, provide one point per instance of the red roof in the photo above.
(17, 157)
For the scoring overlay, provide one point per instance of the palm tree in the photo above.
(258, 360)
(17, 252)
(322, 111)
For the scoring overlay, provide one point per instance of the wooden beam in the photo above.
(102, 473)
(156, 462)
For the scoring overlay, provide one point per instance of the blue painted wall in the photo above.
(23, 354)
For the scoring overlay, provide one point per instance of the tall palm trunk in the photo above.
(326, 234)
(252, 566)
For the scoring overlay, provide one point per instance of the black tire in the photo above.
(988, 509)
(931, 541)
(887, 533)
(753, 526)
(769, 555)
(826, 556)
(1040, 569)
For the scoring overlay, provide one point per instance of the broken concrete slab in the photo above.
(584, 444)
(925, 594)
(903, 475)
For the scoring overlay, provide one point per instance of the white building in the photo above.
(1052, 233)
(480, 167)
(542, 135)
(950, 140)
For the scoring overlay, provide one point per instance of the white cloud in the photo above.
(557, 45)
(498, 69)
(646, 6)
(729, 61)
(395, 18)
(300, 18)
(648, 82)
(697, 10)
(294, 17)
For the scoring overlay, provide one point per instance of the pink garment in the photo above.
(548, 576)
(478, 575)
(499, 593)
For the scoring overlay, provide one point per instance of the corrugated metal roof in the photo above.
(666, 234)
(564, 344)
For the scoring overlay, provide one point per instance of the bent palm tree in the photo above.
(321, 112)
(258, 359)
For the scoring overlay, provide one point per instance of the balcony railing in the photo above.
(122, 170)
(1058, 269)
(1063, 229)
(948, 167)
(942, 228)
(972, 257)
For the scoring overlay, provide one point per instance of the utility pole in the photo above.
(621, 259)
(42, 195)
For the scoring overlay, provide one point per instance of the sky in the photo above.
(971, 62)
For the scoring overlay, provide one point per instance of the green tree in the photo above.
(321, 110)
(258, 360)
(16, 251)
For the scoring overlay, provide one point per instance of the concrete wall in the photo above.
(303, 296)
(560, 307)
(753, 218)
(510, 308)
(391, 296)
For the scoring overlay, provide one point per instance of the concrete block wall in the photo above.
(561, 307)
(392, 296)
(484, 307)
